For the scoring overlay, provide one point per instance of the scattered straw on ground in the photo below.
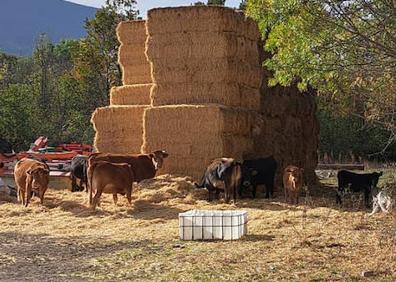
(65, 241)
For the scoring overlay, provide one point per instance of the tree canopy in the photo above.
(346, 49)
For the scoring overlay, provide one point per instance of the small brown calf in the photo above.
(31, 176)
(111, 178)
(292, 183)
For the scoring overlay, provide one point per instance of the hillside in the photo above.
(21, 21)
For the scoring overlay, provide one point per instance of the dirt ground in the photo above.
(315, 241)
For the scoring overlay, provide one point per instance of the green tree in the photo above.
(346, 49)
(216, 2)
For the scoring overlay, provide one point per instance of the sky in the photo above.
(144, 5)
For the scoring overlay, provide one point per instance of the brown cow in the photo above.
(112, 179)
(144, 166)
(31, 176)
(222, 174)
(292, 183)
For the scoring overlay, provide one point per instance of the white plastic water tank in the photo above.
(212, 225)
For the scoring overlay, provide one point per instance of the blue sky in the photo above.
(144, 5)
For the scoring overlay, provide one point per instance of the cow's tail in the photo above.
(202, 182)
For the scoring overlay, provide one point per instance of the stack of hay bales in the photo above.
(119, 128)
(207, 76)
(289, 129)
(193, 85)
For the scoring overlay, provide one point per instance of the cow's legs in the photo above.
(254, 191)
(366, 198)
(375, 206)
(74, 184)
(217, 194)
(227, 192)
(286, 194)
(96, 199)
(81, 188)
(129, 195)
(270, 188)
(28, 193)
(41, 195)
(115, 198)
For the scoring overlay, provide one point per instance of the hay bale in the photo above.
(200, 19)
(231, 94)
(227, 70)
(195, 134)
(137, 94)
(289, 130)
(131, 32)
(119, 129)
(131, 55)
(202, 45)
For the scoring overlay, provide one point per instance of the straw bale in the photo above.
(197, 45)
(137, 94)
(119, 129)
(200, 19)
(136, 75)
(131, 59)
(230, 94)
(195, 134)
(131, 32)
(208, 70)
(135, 51)
(216, 119)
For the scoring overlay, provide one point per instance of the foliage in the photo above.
(54, 92)
(216, 2)
(345, 49)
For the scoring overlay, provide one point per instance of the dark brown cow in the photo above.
(222, 174)
(31, 176)
(292, 183)
(144, 166)
(112, 179)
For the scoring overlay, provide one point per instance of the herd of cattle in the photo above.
(114, 174)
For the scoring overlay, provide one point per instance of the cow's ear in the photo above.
(253, 172)
(151, 155)
(46, 171)
(164, 154)
(29, 172)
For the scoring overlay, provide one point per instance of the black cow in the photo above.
(256, 172)
(223, 174)
(357, 183)
(6, 148)
(78, 169)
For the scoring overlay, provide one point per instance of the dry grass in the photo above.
(315, 241)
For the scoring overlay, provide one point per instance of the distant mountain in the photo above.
(21, 21)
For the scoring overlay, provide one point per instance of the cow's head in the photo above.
(223, 166)
(247, 175)
(374, 179)
(40, 177)
(158, 158)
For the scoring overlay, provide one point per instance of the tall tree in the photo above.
(344, 48)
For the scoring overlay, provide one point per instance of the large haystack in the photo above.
(196, 73)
